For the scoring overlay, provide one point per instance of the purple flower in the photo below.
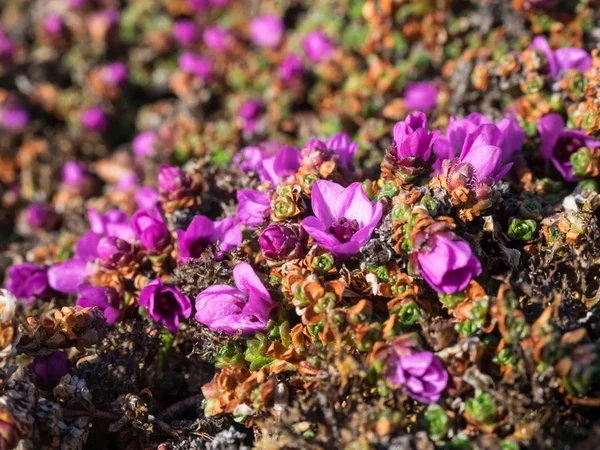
(114, 74)
(68, 276)
(54, 25)
(172, 179)
(291, 68)
(317, 46)
(267, 31)
(285, 163)
(127, 182)
(40, 216)
(146, 198)
(186, 32)
(251, 109)
(421, 96)
(94, 119)
(413, 139)
(165, 304)
(344, 217)
(144, 144)
(253, 207)
(283, 242)
(48, 370)
(114, 252)
(75, 174)
(151, 230)
(114, 222)
(563, 59)
(422, 375)
(510, 139)
(243, 309)
(7, 47)
(203, 232)
(250, 158)
(558, 144)
(28, 282)
(217, 38)
(196, 65)
(447, 263)
(13, 116)
(344, 148)
(105, 298)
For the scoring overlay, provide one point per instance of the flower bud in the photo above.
(41, 216)
(283, 242)
(114, 252)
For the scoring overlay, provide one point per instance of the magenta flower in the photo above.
(166, 304)
(94, 119)
(510, 139)
(291, 68)
(28, 281)
(317, 46)
(54, 25)
(186, 32)
(68, 276)
(172, 179)
(14, 116)
(243, 308)
(446, 262)
(196, 65)
(217, 38)
(267, 31)
(75, 176)
(114, 74)
(413, 145)
(344, 148)
(144, 144)
(203, 232)
(285, 163)
(7, 47)
(558, 144)
(344, 217)
(250, 158)
(151, 230)
(114, 252)
(422, 375)
(563, 59)
(146, 198)
(283, 242)
(49, 369)
(421, 96)
(253, 207)
(40, 216)
(113, 222)
(106, 299)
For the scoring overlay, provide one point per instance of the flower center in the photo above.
(344, 229)
(166, 304)
(567, 146)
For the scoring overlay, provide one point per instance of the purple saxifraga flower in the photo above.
(49, 369)
(267, 31)
(243, 308)
(144, 144)
(113, 222)
(194, 64)
(217, 38)
(165, 304)
(114, 74)
(94, 119)
(291, 68)
(285, 163)
(151, 230)
(344, 217)
(40, 216)
(68, 276)
(7, 48)
(421, 375)
(283, 242)
(562, 59)
(106, 299)
(558, 144)
(344, 148)
(250, 158)
(54, 25)
(253, 207)
(172, 180)
(186, 32)
(446, 262)
(114, 252)
(77, 178)
(317, 46)
(13, 116)
(28, 282)
(421, 96)
(146, 198)
(203, 232)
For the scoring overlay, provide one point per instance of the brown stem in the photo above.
(173, 411)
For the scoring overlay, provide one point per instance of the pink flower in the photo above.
(253, 206)
(243, 308)
(165, 304)
(421, 96)
(267, 31)
(422, 375)
(344, 217)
